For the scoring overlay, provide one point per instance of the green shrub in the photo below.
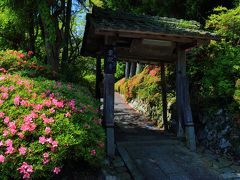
(43, 124)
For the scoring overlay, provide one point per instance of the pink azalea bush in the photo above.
(43, 123)
(24, 63)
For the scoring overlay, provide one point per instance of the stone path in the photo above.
(149, 153)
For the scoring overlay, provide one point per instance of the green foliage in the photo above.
(219, 70)
(237, 92)
(225, 22)
(188, 9)
(44, 116)
(10, 33)
(120, 70)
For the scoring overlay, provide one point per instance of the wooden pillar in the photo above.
(164, 96)
(139, 68)
(184, 113)
(127, 70)
(133, 69)
(109, 70)
(98, 78)
(179, 68)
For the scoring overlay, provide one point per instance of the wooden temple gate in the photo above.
(115, 35)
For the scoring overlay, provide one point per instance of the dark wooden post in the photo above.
(179, 68)
(109, 70)
(127, 70)
(98, 78)
(164, 96)
(183, 100)
(133, 69)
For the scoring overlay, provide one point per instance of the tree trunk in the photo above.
(66, 35)
(52, 42)
(31, 32)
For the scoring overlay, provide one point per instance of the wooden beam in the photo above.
(146, 60)
(140, 49)
(164, 96)
(152, 35)
(143, 61)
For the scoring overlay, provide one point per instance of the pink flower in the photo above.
(49, 140)
(30, 169)
(93, 152)
(26, 176)
(8, 142)
(34, 115)
(32, 127)
(57, 103)
(5, 132)
(13, 131)
(11, 88)
(46, 121)
(45, 155)
(4, 89)
(10, 150)
(54, 143)
(2, 114)
(28, 119)
(42, 139)
(12, 127)
(52, 95)
(2, 78)
(2, 158)
(67, 114)
(26, 170)
(52, 110)
(25, 127)
(20, 56)
(22, 150)
(47, 103)
(1, 143)
(24, 103)
(20, 135)
(38, 107)
(23, 167)
(20, 82)
(30, 53)
(43, 116)
(6, 119)
(45, 161)
(16, 101)
(4, 95)
(72, 103)
(47, 130)
(56, 170)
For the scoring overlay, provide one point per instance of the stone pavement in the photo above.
(149, 153)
